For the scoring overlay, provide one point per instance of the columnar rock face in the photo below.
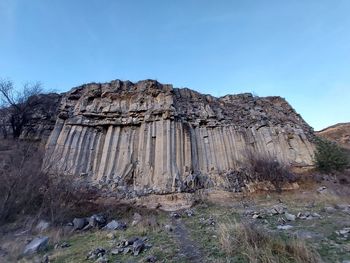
(152, 137)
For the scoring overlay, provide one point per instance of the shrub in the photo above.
(329, 156)
(26, 190)
(20, 179)
(266, 168)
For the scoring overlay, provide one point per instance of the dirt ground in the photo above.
(322, 221)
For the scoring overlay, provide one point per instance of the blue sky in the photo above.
(297, 49)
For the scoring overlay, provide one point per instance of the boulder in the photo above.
(97, 221)
(42, 226)
(79, 223)
(137, 246)
(36, 245)
(289, 217)
(115, 225)
(330, 209)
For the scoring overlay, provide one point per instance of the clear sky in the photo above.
(297, 49)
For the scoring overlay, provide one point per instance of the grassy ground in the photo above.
(227, 233)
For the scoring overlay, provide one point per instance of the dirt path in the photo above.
(189, 251)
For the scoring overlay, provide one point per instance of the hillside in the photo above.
(339, 133)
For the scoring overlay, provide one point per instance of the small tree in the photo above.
(3, 122)
(329, 156)
(17, 105)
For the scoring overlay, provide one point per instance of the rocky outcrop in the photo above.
(150, 137)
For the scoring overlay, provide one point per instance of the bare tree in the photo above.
(3, 122)
(17, 105)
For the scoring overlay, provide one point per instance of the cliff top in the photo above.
(124, 103)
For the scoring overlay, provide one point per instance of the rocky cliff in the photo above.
(154, 138)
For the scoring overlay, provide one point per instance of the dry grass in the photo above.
(256, 245)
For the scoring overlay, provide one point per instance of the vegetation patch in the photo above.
(329, 157)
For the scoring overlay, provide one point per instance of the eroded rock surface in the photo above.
(154, 138)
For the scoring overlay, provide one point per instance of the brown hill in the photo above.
(339, 133)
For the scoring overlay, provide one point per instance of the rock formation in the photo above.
(154, 138)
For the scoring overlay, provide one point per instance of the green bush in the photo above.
(329, 156)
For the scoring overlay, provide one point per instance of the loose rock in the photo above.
(96, 253)
(79, 223)
(330, 209)
(174, 215)
(36, 245)
(151, 259)
(42, 226)
(189, 212)
(168, 228)
(284, 227)
(115, 225)
(137, 247)
(136, 219)
(289, 217)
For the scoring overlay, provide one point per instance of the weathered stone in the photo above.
(96, 253)
(168, 228)
(277, 209)
(345, 231)
(102, 259)
(115, 225)
(36, 245)
(322, 190)
(62, 245)
(284, 227)
(175, 215)
(97, 221)
(256, 216)
(79, 223)
(151, 259)
(289, 217)
(45, 259)
(136, 219)
(330, 209)
(137, 247)
(116, 251)
(42, 226)
(149, 136)
(189, 212)
(343, 207)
